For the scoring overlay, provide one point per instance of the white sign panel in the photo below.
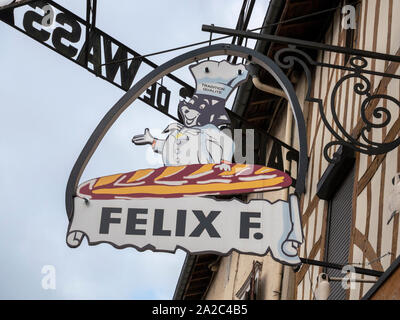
(172, 207)
(195, 224)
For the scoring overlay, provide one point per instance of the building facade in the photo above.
(349, 209)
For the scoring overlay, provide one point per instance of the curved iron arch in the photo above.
(168, 67)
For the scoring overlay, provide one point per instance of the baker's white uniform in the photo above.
(195, 145)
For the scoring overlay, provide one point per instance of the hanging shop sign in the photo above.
(178, 205)
(197, 225)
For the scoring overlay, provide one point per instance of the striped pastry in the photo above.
(181, 181)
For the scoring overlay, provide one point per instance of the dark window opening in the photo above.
(250, 290)
(338, 233)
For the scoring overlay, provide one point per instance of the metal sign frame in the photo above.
(174, 64)
(122, 195)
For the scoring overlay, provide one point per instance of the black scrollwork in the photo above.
(370, 112)
(286, 58)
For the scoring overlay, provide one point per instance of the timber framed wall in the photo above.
(374, 243)
(377, 29)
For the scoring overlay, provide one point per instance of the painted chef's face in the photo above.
(201, 110)
(190, 112)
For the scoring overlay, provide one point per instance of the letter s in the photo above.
(60, 33)
(32, 16)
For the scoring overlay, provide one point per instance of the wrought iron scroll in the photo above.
(286, 58)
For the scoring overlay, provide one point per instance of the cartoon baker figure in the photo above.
(205, 136)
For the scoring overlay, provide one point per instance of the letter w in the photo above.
(113, 64)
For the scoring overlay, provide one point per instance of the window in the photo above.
(339, 233)
(250, 289)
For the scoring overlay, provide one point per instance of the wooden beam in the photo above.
(204, 263)
(194, 294)
(200, 278)
(375, 164)
(381, 89)
(256, 103)
(304, 267)
(197, 285)
(203, 272)
(298, 26)
(257, 118)
(207, 257)
(276, 110)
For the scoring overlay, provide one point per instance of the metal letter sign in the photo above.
(83, 43)
(65, 34)
(163, 209)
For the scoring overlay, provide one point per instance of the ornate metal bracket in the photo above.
(360, 142)
(373, 116)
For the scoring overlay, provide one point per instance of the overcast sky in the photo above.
(49, 108)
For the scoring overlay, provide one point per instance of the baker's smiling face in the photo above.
(201, 110)
(190, 116)
(191, 111)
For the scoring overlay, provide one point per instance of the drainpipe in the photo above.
(266, 88)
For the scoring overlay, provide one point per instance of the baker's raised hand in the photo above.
(142, 139)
